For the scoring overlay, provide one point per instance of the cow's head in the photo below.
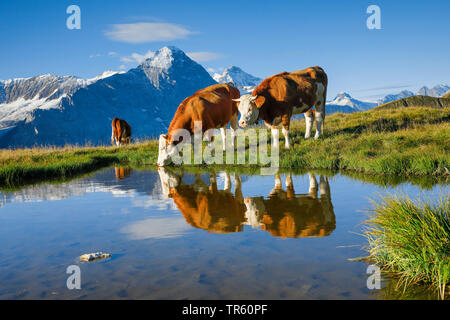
(255, 211)
(249, 109)
(167, 149)
(169, 180)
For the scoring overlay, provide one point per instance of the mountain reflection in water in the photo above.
(283, 213)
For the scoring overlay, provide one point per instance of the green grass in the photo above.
(34, 164)
(411, 240)
(412, 142)
(407, 141)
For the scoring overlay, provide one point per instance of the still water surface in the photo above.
(187, 236)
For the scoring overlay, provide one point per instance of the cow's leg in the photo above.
(320, 109)
(324, 187)
(275, 134)
(309, 120)
(278, 181)
(112, 136)
(278, 191)
(286, 119)
(320, 117)
(209, 135)
(227, 183)
(275, 137)
(312, 186)
(224, 138)
(289, 187)
(238, 188)
(325, 200)
(212, 182)
(233, 128)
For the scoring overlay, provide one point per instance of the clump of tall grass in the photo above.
(411, 239)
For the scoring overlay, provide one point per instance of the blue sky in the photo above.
(261, 37)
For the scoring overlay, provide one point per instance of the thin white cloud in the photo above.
(142, 32)
(136, 57)
(112, 53)
(95, 55)
(126, 59)
(122, 67)
(203, 56)
(156, 228)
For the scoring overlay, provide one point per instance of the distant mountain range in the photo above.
(437, 91)
(51, 110)
(55, 110)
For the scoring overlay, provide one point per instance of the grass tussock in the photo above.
(411, 141)
(411, 240)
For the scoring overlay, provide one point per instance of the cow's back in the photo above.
(126, 129)
(213, 106)
(314, 73)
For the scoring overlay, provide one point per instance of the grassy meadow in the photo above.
(413, 141)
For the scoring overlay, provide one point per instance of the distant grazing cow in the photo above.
(206, 207)
(280, 96)
(121, 132)
(285, 214)
(213, 107)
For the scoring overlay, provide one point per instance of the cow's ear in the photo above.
(165, 137)
(260, 101)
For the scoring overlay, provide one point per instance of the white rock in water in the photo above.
(94, 256)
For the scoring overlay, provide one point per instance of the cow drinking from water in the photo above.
(280, 96)
(121, 132)
(213, 107)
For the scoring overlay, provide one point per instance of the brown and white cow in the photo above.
(205, 206)
(280, 96)
(286, 214)
(213, 107)
(121, 132)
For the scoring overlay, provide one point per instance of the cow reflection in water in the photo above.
(283, 214)
(206, 207)
(122, 172)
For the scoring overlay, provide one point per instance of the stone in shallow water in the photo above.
(94, 256)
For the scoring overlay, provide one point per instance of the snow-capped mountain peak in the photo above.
(244, 81)
(437, 91)
(343, 102)
(105, 74)
(164, 58)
